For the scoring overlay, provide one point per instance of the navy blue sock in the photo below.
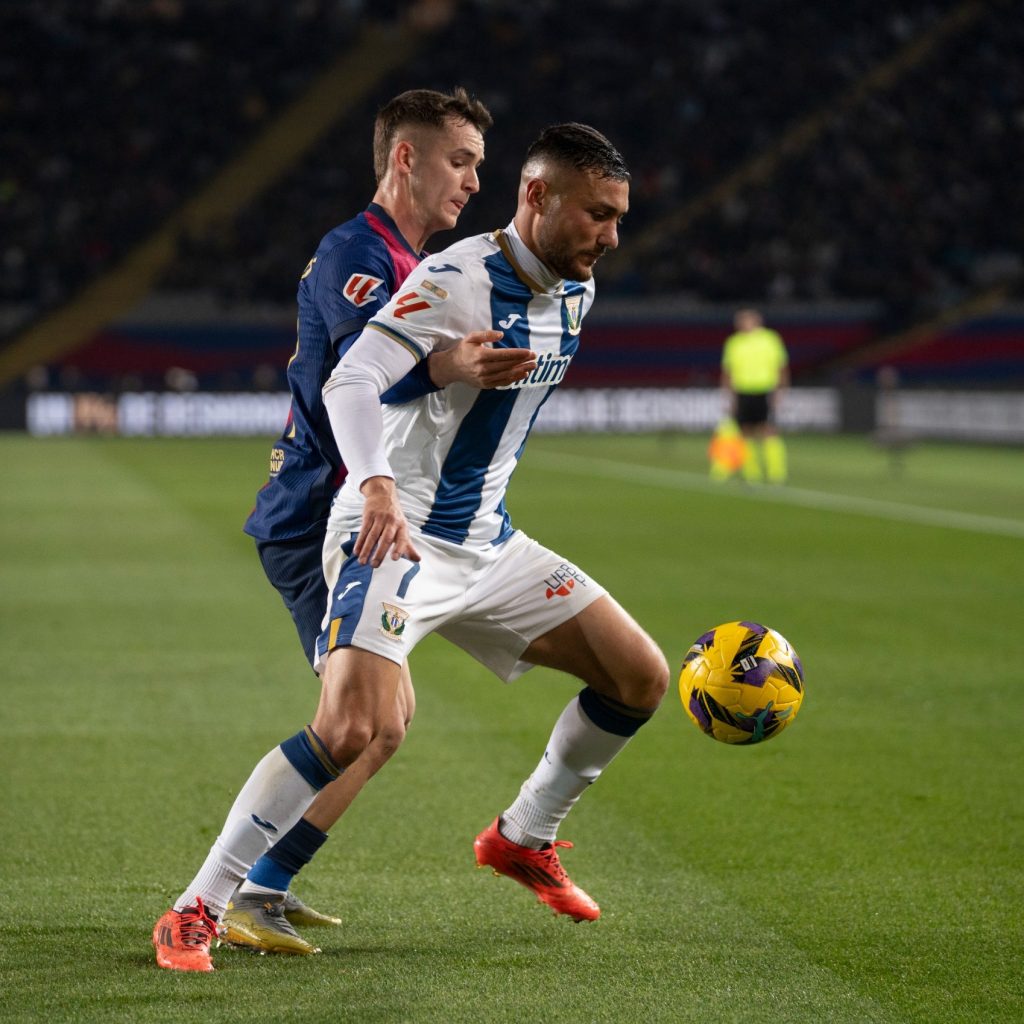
(611, 715)
(287, 857)
(310, 758)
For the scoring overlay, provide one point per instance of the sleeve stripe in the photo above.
(401, 339)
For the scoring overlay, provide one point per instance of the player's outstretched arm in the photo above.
(475, 361)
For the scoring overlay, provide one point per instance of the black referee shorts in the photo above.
(753, 410)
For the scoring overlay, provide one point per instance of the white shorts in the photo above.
(493, 603)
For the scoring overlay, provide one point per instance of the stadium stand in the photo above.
(93, 161)
(896, 136)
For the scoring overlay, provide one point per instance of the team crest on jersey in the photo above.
(572, 313)
(392, 621)
(359, 289)
(410, 302)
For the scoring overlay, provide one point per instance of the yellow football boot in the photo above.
(299, 914)
(257, 921)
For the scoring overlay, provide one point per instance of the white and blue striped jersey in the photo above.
(453, 452)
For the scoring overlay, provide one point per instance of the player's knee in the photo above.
(649, 680)
(657, 677)
(345, 741)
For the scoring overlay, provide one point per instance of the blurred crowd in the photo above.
(112, 113)
(909, 196)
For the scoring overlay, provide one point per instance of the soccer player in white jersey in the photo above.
(419, 539)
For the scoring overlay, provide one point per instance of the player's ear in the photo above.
(403, 155)
(536, 193)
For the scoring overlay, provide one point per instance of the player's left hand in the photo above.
(476, 362)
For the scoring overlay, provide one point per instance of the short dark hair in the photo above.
(580, 147)
(425, 108)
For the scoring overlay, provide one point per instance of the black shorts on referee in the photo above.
(753, 410)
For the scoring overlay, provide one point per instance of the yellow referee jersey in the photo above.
(754, 360)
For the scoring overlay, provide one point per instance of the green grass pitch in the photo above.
(867, 865)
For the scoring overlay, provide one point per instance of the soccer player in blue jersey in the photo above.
(427, 150)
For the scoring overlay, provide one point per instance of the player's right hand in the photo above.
(384, 528)
(476, 362)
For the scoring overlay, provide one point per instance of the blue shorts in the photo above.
(296, 569)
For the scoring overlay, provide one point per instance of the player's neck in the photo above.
(529, 257)
(407, 219)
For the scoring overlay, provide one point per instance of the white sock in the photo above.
(252, 889)
(577, 753)
(278, 796)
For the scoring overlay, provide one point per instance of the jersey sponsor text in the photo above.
(549, 371)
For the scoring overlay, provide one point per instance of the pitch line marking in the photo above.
(679, 479)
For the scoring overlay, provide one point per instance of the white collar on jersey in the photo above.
(530, 267)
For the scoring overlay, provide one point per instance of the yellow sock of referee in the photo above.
(775, 459)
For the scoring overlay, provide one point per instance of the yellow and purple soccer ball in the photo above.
(741, 682)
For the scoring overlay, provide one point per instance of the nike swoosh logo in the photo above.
(509, 321)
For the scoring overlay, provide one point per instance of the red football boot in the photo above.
(182, 939)
(539, 870)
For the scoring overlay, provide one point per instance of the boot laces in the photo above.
(196, 927)
(550, 854)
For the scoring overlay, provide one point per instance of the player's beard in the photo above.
(564, 259)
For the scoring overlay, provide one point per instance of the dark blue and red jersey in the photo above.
(357, 267)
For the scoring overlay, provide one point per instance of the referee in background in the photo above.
(755, 369)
